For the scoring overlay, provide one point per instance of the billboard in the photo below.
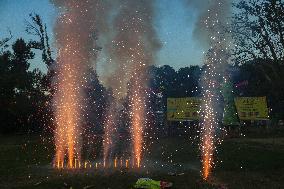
(183, 109)
(252, 108)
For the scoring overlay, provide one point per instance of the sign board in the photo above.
(252, 108)
(183, 109)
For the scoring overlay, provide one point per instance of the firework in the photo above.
(131, 49)
(209, 31)
(74, 39)
(109, 133)
(209, 122)
(138, 118)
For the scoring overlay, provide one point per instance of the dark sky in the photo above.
(174, 24)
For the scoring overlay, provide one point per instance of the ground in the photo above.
(246, 162)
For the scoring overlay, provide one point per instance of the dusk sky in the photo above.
(174, 24)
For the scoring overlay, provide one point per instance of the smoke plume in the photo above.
(132, 48)
(213, 16)
(134, 43)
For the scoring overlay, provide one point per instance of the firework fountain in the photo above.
(132, 48)
(130, 43)
(213, 18)
(74, 34)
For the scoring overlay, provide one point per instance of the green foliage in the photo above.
(258, 30)
(230, 116)
(171, 83)
(37, 28)
(265, 78)
(20, 89)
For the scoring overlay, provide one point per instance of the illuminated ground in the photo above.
(246, 163)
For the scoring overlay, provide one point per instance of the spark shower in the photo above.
(131, 43)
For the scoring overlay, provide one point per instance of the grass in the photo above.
(252, 163)
(241, 163)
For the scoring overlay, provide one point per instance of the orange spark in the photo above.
(69, 79)
(137, 120)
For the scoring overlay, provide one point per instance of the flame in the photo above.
(209, 122)
(67, 110)
(137, 120)
(115, 162)
(212, 23)
(70, 80)
(118, 162)
(207, 156)
(126, 163)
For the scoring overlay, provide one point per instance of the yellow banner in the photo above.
(252, 108)
(182, 109)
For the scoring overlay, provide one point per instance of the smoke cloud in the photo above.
(134, 43)
(86, 21)
(131, 47)
(213, 15)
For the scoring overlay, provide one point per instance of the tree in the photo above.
(95, 101)
(3, 42)
(263, 78)
(37, 28)
(163, 80)
(20, 90)
(187, 81)
(230, 116)
(258, 30)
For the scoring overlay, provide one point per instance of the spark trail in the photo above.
(109, 133)
(133, 47)
(138, 106)
(74, 32)
(216, 59)
(209, 31)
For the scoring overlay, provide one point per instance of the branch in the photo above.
(32, 29)
(5, 40)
